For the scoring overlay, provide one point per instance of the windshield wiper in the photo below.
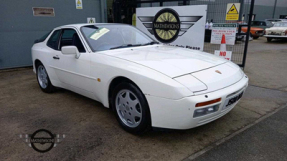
(133, 45)
(125, 46)
(151, 43)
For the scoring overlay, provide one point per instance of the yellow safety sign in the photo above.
(232, 11)
(79, 4)
(91, 20)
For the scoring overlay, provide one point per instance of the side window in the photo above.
(53, 42)
(43, 38)
(71, 38)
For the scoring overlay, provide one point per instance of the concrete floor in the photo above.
(94, 134)
(264, 141)
(266, 64)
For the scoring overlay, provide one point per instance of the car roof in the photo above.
(87, 24)
(272, 19)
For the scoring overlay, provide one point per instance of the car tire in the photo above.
(131, 108)
(255, 37)
(269, 39)
(43, 79)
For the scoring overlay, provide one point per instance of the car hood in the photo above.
(256, 29)
(252, 29)
(212, 79)
(169, 60)
(277, 29)
(260, 27)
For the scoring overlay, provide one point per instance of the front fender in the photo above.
(148, 80)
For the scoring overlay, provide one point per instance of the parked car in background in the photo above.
(255, 32)
(278, 31)
(273, 20)
(261, 24)
(242, 36)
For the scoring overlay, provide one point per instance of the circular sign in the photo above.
(42, 140)
(166, 25)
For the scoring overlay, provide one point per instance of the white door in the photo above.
(73, 73)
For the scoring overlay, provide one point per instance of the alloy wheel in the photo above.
(128, 108)
(42, 76)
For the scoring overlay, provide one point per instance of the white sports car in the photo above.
(278, 31)
(145, 83)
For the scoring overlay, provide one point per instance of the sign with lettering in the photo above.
(43, 11)
(229, 30)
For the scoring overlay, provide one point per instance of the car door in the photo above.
(73, 72)
(49, 52)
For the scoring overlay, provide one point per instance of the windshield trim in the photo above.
(111, 24)
(285, 24)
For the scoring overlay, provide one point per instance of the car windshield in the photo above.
(274, 20)
(280, 24)
(258, 23)
(106, 37)
(269, 23)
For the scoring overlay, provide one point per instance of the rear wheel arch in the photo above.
(37, 62)
(49, 88)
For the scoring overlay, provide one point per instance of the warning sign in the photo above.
(79, 4)
(218, 29)
(91, 20)
(232, 11)
(225, 54)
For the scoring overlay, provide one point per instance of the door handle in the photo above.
(56, 57)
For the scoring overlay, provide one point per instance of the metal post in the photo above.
(103, 11)
(248, 33)
(275, 4)
(241, 12)
(184, 2)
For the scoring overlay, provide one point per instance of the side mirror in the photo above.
(71, 50)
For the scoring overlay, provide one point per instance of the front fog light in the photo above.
(205, 111)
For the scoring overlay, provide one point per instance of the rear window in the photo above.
(280, 24)
(43, 38)
(258, 23)
(53, 42)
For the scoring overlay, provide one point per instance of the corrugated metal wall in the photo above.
(263, 8)
(19, 28)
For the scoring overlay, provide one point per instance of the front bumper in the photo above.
(178, 114)
(259, 34)
(276, 36)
